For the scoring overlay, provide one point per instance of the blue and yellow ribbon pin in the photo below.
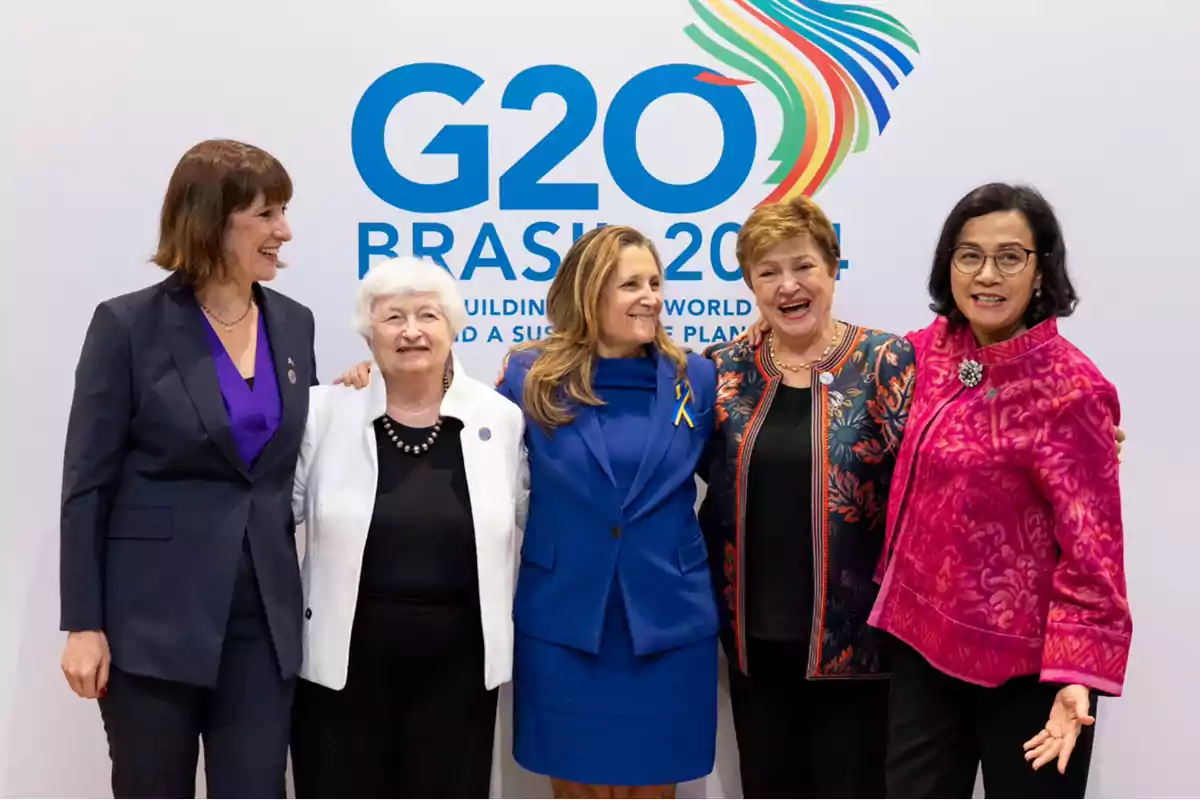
(683, 393)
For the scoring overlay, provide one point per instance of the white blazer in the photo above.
(334, 497)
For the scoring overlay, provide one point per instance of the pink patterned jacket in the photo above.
(1004, 540)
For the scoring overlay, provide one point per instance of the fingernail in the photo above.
(102, 692)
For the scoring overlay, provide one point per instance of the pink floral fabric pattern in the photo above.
(1004, 551)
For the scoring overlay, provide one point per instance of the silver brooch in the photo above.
(970, 372)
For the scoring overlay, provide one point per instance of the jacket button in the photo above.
(308, 613)
(616, 532)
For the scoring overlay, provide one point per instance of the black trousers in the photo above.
(943, 728)
(414, 719)
(154, 726)
(806, 738)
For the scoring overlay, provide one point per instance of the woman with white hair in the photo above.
(410, 493)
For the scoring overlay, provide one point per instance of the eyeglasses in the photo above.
(1010, 261)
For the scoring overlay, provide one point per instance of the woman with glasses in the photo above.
(994, 575)
(1002, 577)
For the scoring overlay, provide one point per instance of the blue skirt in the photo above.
(615, 718)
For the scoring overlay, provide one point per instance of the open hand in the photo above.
(1068, 715)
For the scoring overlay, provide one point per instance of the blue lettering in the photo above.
(520, 186)
(366, 249)
(530, 333)
(438, 251)
(714, 252)
(844, 263)
(674, 271)
(469, 143)
(499, 258)
(577, 230)
(620, 140)
(538, 249)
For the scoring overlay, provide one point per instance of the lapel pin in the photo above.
(291, 371)
(485, 434)
(826, 378)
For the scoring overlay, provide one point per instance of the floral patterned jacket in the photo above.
(1004, 554)
(861, 394)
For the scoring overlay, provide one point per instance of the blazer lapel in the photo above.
(189, 349)
(662, 427)
(587, 422)
(281, 338)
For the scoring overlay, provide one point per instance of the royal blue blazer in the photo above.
(580, 534)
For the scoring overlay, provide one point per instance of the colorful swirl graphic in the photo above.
(825, 63)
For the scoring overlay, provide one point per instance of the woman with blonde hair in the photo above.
(615, 663)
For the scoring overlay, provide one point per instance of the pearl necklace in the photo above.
(804, 366)
(423, 447)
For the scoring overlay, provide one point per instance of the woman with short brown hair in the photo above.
(179, 581)
(808, 425)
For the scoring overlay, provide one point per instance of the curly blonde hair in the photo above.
(562, 371)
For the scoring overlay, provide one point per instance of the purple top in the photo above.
(254, 413)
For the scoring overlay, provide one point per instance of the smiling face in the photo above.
(410, 333)
(630, 304)
(793, 286)
(252, 240)
(994, 273)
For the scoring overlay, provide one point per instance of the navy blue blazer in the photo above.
(156, 501)
(580, 533)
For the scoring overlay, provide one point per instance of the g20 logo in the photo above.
(522, 185)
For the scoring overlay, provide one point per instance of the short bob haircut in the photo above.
(772, 224)
(1056, 298)
(212, 180)
(403, 276)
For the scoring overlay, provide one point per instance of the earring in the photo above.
(1037, 293)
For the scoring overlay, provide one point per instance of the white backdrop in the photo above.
(1094, 104)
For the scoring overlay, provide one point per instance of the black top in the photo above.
(421, 543)
(779, 552)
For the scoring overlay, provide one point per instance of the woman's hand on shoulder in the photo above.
(1119, 435)
(359, 376)
(755, 333)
